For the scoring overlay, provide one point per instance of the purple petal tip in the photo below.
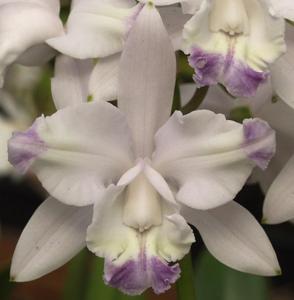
(135, 276)
(24, 147)
(260, 143)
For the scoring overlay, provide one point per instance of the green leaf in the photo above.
(75, 282)
(42, 94)
(177, 98)
(185, 71)
(5, 285)
(216, 281)
(96, 288)
(185, 285)
(240, 113)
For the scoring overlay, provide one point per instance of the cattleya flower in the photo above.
(22, 42)
(126, 181)
(99, 29)
(234, 42)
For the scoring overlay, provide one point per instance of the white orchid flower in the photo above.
(99, 29)
(25, 26)
(144, 175)
(235, 42)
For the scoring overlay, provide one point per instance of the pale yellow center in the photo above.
(142, 208)
(229, 16)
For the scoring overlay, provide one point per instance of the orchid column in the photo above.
(126, 180)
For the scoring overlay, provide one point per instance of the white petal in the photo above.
(207, 158)
(173, 238)
(70, 82)
(76, 152)
(191, 6)
(187, 90)
(283, 126)
(282, 8)
(25, 17)
(235, 238)
(53, 5)
(103, 85)
(36, 55)
(282, 71)
(95, 29)
(174, 20)
(117, 3)
(219, 101)
(279, 201)
(159, 183)
(161, 2)
(131, 174)
(55, 233)
(146, 79)
(107, 236)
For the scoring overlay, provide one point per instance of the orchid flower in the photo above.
(126, 181)
(20, 41)
(235, 42)
(99, 29)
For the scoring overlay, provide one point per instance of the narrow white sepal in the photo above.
(55, 233)
(234, 237)
(279, 201)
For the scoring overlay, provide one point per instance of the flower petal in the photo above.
(70, 82)
(53, 5)
(76, 152)
(55, 233)
(210, 158)
(146, 79)
(103, 85)
(191, 6)
(282, 8)
(134, 263)
(219, 101)
(160, 185)
(96, 29)
(174, 20)
(279, 201)
(234, 237)
(283, 71)
(36, 55)
(272, 112)
(25, 17)
(240, 61)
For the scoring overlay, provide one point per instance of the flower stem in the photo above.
(196, 100)
(185, 285)
(177, 98)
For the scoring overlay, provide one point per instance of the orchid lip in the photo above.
(212, 68)
(138, 274)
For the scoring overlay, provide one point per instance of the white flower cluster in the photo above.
(125, 179)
